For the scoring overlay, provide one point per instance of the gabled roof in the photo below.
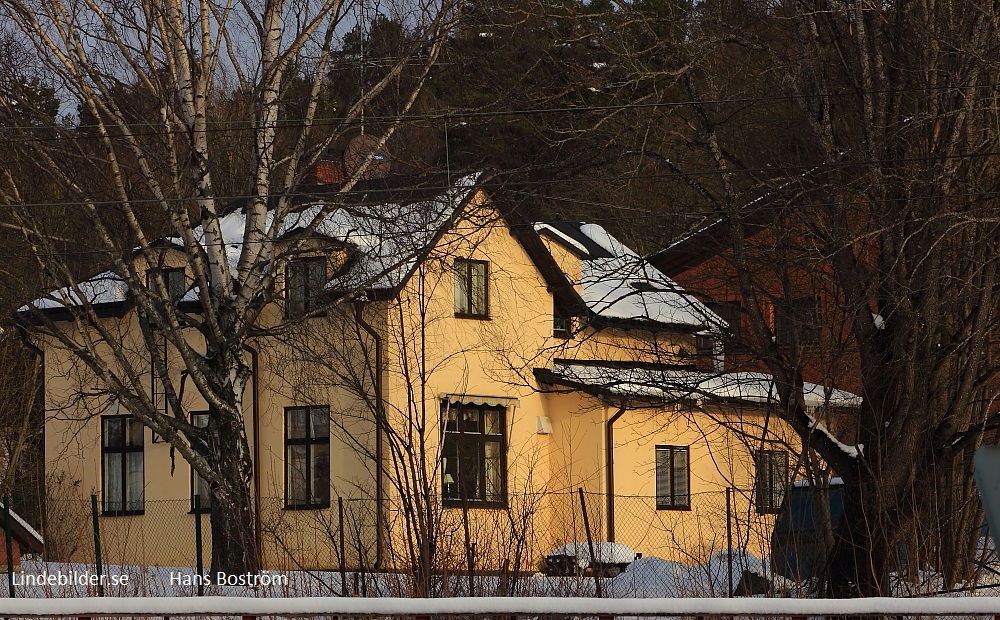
(619, 286)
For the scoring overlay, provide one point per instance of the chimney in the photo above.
(329, 170)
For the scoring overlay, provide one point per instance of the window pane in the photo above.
(134, 481)
(494, 490)
(113, 492)
(295, 285)
(319, 488)
(135, 432)
(470, 470)
(199, 420)
(478, 285)
(449, 468)
(114, 432)
(664, 490)
(174, 279)
(295, 419)
(319, 417)
(491, 422)
(450, 417)
(297, 467)
(461, 287)
(681, 490)
(470, 420)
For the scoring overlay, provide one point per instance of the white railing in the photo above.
(465, 607)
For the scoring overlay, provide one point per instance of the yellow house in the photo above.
(434, 382)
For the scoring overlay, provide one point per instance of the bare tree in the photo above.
(157, 85)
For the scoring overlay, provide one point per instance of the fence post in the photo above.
(199, 561)
(97, 545)
(8, 546)
(729, 536)
(590, 544)
(343, 559)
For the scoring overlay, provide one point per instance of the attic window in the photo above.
(304, 281)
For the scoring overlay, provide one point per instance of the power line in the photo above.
(449, 115)
(498, 223)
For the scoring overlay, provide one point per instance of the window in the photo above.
(122, 464)
(796, 316)
(560, 324)
(471, 288)
(307, 457)
(771, 480)
(304, 282)
(200, 486)
(173, 279)
(732, 314)
(472, 457)
(673, 478)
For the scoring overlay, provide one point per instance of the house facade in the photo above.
(433, 378)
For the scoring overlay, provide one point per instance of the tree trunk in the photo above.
(234, 520)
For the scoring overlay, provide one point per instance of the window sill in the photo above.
(306, 506)
(662, 507)
(122, 513)
(477, 317)
(473, 504)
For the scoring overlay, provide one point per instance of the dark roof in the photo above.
(25, 535)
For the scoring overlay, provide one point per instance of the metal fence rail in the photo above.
(497, 606)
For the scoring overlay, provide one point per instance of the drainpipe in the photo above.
(379, 422)
(609, 469)
(255, 416)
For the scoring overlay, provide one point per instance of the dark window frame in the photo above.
(478, 440)
(769, 491)
(123, 449)
(310, 299)
(562, 326)
(676, 501)
(799, 316)
(174, 278)
(309, 503)
(206, 500)
(731, 311)
(462, 270)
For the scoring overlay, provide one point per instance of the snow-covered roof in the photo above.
(674, 384)
(30, 531)
(617, 283)
(104, 288)
(387, 239)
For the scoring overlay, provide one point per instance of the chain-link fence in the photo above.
(554, 544)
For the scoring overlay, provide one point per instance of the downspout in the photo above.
(609, 469)
(255, 416)
(379, 422)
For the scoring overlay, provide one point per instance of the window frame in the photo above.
(463, 267)
(671, 451)
(797, 317)
(310, 299)
(479, 439)
(122, 450)
(566, 331)
(310, 502)
(768, 496)
(206, 499)
(174, 293)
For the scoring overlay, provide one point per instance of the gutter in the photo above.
(609, 469)
(379, 430)
(255, 416)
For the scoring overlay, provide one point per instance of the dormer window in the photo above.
(173, 280)
(304, 282)
(471, 289)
